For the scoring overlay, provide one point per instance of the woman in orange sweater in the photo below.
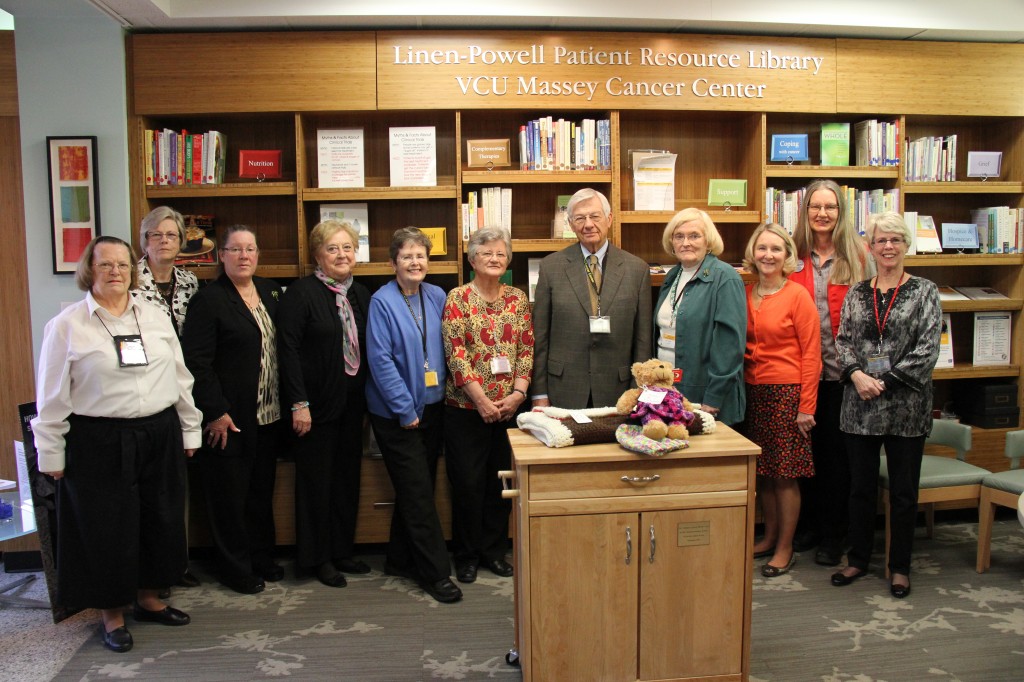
(782, 363)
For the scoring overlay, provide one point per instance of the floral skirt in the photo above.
(771, 423)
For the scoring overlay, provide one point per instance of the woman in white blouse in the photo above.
(116, 421)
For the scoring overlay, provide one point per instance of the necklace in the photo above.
(481, 294)
(763, 293)
(251, 298)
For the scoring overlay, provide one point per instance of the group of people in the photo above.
(150, 369)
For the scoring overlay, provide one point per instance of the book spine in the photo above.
(148, 138)
(187, 169)
(197, 159)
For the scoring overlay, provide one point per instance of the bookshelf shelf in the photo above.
(811, 172)
(988, 304)
(442, 191)
(521, 177)
(954, 260)
(531, 246)
(964, 187)
(225, 189)
(969, 371)
(437, 267)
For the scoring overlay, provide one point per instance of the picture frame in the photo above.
(74, 198)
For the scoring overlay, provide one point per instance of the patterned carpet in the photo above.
(956, 626)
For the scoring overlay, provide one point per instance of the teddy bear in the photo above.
(671, 416)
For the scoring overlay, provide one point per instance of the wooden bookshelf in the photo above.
(310, 80)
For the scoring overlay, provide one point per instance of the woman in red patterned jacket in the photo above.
(488, 340)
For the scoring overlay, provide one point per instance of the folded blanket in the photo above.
(555, 427)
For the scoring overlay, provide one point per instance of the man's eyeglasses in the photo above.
(581, 220)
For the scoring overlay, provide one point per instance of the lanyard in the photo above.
(137, 325)
(423, 329)
(885, 318)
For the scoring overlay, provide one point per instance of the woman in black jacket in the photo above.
(322, 341)
(230, 347)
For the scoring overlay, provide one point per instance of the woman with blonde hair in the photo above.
(782, 362)
(700, 319)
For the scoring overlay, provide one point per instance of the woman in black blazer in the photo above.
(321, 344)
(230, 347)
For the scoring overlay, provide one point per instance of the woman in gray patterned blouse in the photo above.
(888, 343)
(162, 234)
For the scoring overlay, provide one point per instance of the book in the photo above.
(560, 226)
(980, 293)
(946, 343)
(948, 293)
(992, 338)
(532, 276)
(910, 218)
(927, 237)
(413, 155)
(356, 214)
(340, 157)
(835, 144)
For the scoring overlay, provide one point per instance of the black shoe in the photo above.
(899, 591)
(118, 639)
(498, 567)
(466, 573)
(839, 579)
(400, 572)
(351, 566)
(188, 580)
(444, 591)
(270, 572)
(806, 540)
(166, 616)
(828, 555)
(330, 576)
(246, 584)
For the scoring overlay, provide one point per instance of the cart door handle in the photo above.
(629, 545)
(640, 479)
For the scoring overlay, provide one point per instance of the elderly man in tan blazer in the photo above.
(592, 314)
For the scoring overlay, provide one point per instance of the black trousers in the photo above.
(120, 509)
(410, 455)
(826, 495)
(240, 502)
(474, 453)
(328, 461)
(903, 457)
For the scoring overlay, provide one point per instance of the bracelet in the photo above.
(519, 390)
(299, 406)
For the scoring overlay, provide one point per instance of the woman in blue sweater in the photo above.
(404, 396)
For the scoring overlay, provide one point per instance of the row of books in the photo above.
(1000, 229)
(931, 159)
(783, 207)
(877, 143)
(547, 144)
(487, 207)
(184, 158)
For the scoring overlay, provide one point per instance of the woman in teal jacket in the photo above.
(700, 321)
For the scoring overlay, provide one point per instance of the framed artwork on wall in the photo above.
(74, 198)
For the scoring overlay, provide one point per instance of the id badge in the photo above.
(430, 378)
(652, 397)
(130, 351)
(878, 364)
(600, 324)
(501, 365)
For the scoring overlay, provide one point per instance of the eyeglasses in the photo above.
(334, 250)
(160, 236)
(410, 257)
(818, 208)
(107, 266)
(488, 255)
(895, 241)
(688, 237)
(238, 250)
(581, 220)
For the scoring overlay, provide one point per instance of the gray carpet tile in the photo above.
(956, 626)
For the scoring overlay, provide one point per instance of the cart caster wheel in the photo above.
(512, 657)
